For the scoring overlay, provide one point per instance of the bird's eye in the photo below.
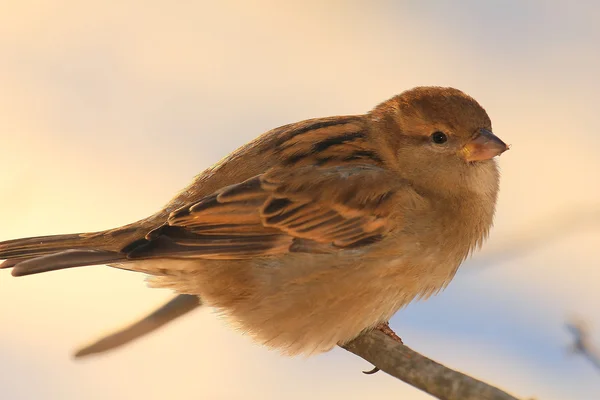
(439, 137)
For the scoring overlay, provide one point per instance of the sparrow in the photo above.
(315, 231)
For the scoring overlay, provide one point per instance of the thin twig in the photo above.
(419, 371)
(175, 308)
(582, 344)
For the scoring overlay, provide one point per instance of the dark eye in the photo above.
(439, 137)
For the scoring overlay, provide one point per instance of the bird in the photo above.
(315, 231)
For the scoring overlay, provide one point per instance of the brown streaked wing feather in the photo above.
(328, 142)
(343, 206)
(307, 209)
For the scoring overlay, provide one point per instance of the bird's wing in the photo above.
(308, 209)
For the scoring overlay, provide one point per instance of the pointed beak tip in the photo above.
(484, 146)
(505, 150)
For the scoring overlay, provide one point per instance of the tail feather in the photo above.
(49, 253)
(65, 259)
(40, 245)
(11, 262)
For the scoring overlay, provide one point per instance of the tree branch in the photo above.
(175, 308)
(582, 344)
(419, 371)
(523, 243)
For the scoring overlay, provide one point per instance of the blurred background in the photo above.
(107, 109)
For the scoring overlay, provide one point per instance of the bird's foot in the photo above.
(385, 328)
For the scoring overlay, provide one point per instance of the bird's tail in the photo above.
(48, 253)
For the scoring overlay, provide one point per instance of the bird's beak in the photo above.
(484, 146)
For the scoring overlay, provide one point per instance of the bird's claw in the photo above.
(371, 372)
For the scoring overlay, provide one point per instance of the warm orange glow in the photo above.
(108, 109)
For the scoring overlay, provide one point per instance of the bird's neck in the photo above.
(466, 210)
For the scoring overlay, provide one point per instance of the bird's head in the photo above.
(440, 137)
